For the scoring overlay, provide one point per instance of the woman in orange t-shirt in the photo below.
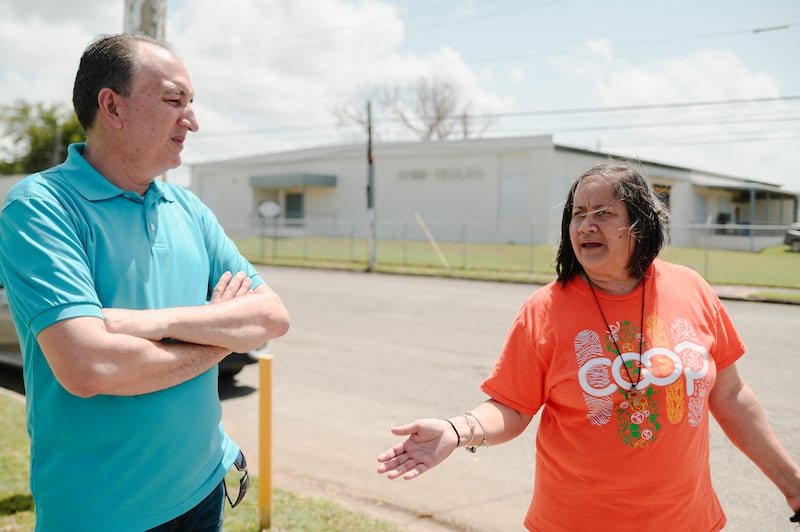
(625, 355)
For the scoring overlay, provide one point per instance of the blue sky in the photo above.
(269, 72)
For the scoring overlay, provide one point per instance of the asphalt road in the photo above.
(367, 351)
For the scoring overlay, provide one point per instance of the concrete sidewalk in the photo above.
(758, 293)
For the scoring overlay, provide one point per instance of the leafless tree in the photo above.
(431, 108)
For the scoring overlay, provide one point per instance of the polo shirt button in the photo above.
(152, 227)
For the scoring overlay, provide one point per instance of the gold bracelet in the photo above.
(471, 425)
(474, 448)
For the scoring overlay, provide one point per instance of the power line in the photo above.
(704, 141)
(522, 114)
(703, 36)
(650, 125)
(644, 107)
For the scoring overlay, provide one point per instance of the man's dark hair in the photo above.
(108, 62)
(648, 219)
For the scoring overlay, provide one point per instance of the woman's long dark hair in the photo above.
(648, 218)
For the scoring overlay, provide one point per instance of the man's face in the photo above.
(158, 112)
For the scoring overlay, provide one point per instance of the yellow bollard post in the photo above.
(265, 441)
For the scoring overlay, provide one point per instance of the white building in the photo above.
(492, 190)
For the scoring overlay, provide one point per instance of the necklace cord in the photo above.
(614, 339)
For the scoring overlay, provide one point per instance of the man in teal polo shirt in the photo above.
(126, 293)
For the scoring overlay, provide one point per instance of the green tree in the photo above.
(36, 136)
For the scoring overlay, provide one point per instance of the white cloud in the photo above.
(289, 62)
(42, 41)
(702, 137)
(590, 60)
(286, 56)
(705, 75)
(56, 12)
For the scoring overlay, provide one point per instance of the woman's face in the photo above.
(599, 230)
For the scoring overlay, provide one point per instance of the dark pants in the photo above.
(205, 517)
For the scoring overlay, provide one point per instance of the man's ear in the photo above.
(110, 107)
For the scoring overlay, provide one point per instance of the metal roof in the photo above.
(293, 180)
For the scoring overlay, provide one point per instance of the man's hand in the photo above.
(231, 286)
(145, 323)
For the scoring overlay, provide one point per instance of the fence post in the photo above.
(263, 237)
(265, 440)
(531, 243)
(405, 244)
(464, 265)
(708, 244)
(352, 243)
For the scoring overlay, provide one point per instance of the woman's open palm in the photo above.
(429, 442)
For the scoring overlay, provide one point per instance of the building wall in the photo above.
(8, 181)
(227, 192)
(472, 182)
(495, 190)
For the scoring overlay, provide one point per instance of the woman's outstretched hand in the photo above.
(429, 442)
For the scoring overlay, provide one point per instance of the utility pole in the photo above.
(146, 16)
(371, 229)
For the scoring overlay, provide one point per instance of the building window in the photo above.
(663, 191)
(295, 208)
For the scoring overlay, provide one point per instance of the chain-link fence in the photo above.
(507, 247)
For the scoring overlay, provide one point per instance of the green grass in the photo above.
(296, 512)
(774, 267)
(16, 503)
(289, 511)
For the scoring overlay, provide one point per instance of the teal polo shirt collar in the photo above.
(93, 186)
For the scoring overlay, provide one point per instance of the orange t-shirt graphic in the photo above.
(608, 459)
